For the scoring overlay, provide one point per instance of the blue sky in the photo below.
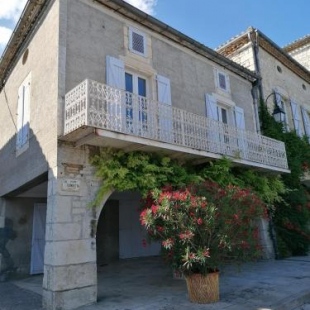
(211, 22)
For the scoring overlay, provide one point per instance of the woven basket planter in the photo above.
(203, 289)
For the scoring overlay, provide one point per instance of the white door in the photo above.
(38, 238)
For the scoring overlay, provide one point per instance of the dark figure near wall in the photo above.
(6, 233)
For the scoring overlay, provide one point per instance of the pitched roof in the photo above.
(26, 24)
(257, 37)
(299, 43)
(34, 10)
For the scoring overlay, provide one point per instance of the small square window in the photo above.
(137, 42)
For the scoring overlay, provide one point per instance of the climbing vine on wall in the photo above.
(292, 214)
(141, 171)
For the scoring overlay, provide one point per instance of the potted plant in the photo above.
(200, 228)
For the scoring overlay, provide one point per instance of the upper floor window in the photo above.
(222, 81)
(137, 42)
(23, 115)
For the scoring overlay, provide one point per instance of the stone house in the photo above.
(78, 75)
(300, 50)
(284, 82)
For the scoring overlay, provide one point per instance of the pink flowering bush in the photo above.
(202, 226)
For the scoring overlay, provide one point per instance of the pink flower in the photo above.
(199, 221)
(168, 243)
(186, 235)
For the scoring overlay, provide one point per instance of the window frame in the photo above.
(219, 74)
(130, 43)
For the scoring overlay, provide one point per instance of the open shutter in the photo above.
(306, 120)
(165, 111)
(240, 124)
(115, 77)
(278, 99)
(25, 135)
(296, 117)
(227, 82)
(211, 107)
(239, 118)
(164, 91)
(20, 116)
(23, 113)
(115, 71)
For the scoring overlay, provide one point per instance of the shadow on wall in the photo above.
(7, 233)
(23, 183)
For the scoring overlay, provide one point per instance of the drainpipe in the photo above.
(254, 91)
(255, 47)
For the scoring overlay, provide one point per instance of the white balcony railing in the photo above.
(101, 106)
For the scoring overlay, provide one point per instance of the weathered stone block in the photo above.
(69, 252)
(61, 278)
(72, 299)
(63, 231)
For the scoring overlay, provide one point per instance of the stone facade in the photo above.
(300, 51)
(44, 169)
(280, 75)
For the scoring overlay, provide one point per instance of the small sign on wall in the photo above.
(71, 185)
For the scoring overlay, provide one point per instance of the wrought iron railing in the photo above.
(101, 106)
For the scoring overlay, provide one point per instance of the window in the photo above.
(136, 100)
(137, 42)
(135, 113)
(219, 137)
(23, 115)
(222, 81)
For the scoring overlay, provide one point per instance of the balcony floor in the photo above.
(87, 135)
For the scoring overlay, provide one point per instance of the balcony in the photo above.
(97, 114)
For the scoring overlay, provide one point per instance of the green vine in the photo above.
(139, 171)
(292, 214)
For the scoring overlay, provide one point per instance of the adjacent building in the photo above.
(284, 83)
(78, 75)
(300, 51)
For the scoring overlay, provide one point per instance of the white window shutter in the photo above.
(115, 72)
(163, 89)
(239, 118)
(306, 120)
(296, 117)
(25, 135)
(165, 112)
(227, 82)
(23, 113)
(278, 99)
(211, 107)
(20, 116)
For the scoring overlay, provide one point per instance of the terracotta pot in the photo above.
(203, 289)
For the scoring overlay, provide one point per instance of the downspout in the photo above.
(254, 92)
(255, 46)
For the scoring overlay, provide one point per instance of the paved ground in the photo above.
(146, 284)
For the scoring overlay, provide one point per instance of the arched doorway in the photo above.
(119, 232)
